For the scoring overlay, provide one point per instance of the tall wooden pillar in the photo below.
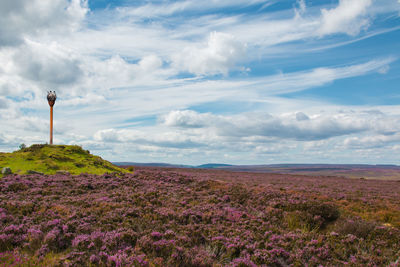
(51, 125)
(51, 98)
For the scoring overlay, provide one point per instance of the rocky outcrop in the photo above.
(6, 171)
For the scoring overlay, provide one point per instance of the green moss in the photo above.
(48, 159)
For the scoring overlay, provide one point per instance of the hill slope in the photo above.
(49, 159)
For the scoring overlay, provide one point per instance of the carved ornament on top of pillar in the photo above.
(51, 97)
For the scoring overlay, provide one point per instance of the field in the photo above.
(354, 171)
(192, 217)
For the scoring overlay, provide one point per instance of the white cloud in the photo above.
(168, 8)
(285, 126)
(82, 100)
(121, 69)
(47, 64)
(256, 135)
(3, 103)
(372, 141)
(187, 118)
(150, 63)
(349, 17)
(164, 139)
(300, 116)
(301, 8)
(220, 55)
(298, 81)
(8, 140)
(21, 18)
(384, 69)
(116, 72)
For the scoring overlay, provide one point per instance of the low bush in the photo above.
(357, 227)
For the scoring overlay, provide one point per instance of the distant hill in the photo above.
(385, 172)
(151, 164)
(167, 165)
(50, 159)
(214, 166)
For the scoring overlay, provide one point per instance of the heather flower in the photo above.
(350, 238)
(3, 215)
(52, 235)
(14, 229)
(334, 234)
(54, 222)
(243, 262)
(80, 241)
(156, 235)
(103, 256)
(94, 259)
(139, 261)
(219, 223)
(43, 251)
(114, 261)
(353, 259)
(169, 233)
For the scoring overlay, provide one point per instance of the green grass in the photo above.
(50, 159)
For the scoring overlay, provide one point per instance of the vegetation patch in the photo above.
(49, 159)
(158, 217)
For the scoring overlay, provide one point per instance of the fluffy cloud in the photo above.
(3, 103)
(220, 55)
(21, 18)
(349, 17)
(300, 116)
(165, 139)
(187, 118)
(50, 65)
(29, 66)
(133, 73)
(117, 72)
(5, 140)
(371, 141)
(294, 126)
(187, 133)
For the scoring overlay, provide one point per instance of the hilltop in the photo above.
(50, 159)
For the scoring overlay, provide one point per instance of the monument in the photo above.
(51, 98)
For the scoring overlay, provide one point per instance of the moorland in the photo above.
(197, 217)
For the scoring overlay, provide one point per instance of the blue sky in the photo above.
(241, 82)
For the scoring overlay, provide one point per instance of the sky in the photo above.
(193, 82)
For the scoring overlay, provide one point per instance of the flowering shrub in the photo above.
(160, 217)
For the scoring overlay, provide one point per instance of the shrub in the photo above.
(76, 150)
(310, 215)
(35, 147)
(357, 227)
(15, 187)
(239, 193)
(80, 165)
(22, 146)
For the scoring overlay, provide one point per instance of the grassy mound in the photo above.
(50, 159)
